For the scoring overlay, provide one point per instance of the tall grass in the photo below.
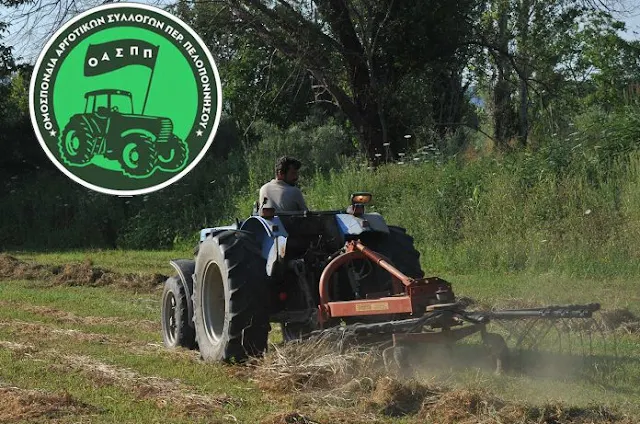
(489, 215)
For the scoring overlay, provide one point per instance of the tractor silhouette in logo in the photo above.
(110, 128)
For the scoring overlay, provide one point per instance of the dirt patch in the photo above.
(76, 274)
(19, 405)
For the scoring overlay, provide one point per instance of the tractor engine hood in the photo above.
(158, 129)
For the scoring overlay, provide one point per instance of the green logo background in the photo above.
(173, 91)
(175, 95)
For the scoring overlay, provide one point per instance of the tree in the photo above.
(258, 82)
(360, 52)
(535, 55)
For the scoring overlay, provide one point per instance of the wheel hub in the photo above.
(170, 316)
(213, 302)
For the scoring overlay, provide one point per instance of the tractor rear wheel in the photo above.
(398, 247)
(139, 156)
(78, 141)
(173, 154)
(230, 298)
(176, 329)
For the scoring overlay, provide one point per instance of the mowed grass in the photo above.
(102, 346)
(120, 260)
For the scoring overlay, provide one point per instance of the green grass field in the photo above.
(95, 354)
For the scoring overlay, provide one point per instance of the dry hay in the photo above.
(347, 387)
(621, 319)
(76, 274)
(11, 267)
(160, 390)
(288, 418)
(68, 317)
(40, 332)
(311, 365)
(19, 349)
(19, 405)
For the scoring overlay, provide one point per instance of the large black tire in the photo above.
(139, 156)
(398, 247)
(172, 154)
(176, 329)
(230, 297)
(78, 141)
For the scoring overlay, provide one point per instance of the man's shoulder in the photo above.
(270, 183)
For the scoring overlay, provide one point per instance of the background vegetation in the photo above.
(503, 134)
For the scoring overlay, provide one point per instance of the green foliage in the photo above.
(566, 201)
(258, 81)
(502, 215)
(320, 147)
(571, 206)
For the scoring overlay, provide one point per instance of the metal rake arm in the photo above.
(566, 311)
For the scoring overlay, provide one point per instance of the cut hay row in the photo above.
(162, 391)
(76, 274)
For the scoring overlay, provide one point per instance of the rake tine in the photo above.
(542, 335)
(526, 332)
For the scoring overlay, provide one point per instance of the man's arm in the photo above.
(300, 200)
(262, 195)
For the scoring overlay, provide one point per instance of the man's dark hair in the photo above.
(284, 163)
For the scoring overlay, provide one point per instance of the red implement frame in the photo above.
(410, 296)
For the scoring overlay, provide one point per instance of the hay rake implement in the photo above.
(345, 274)
(424, 311)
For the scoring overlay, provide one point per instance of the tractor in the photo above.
(109, 127)
(317, 272)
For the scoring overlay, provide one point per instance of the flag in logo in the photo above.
(107, 57)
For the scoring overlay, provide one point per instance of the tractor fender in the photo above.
(354, 225)
(185, 269)
(271, 235)
(212, 232)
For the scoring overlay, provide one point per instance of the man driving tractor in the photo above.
(281, 193)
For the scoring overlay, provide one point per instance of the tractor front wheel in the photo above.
(78, 141)
(230, 294)
(139, 156)
(176, 329)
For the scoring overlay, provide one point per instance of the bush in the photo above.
(321, 147)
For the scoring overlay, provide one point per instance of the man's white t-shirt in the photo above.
(282, 196)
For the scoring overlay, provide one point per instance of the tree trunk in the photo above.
(523, 23)
(363, 113)
(502, 112)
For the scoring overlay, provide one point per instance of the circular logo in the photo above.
(125, 99)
